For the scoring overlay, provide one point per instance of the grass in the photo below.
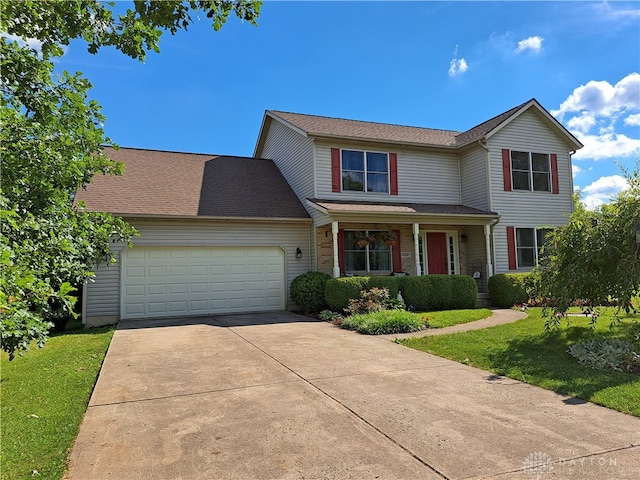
(523, 351)
(401, 321)
(44, 396)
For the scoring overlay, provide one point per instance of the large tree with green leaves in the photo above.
(52, 141)
(596, 256)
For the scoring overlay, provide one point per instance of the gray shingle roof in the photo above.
(192, 185)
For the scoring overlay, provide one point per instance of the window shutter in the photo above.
(555, 186)
(341, 250)
(393, 173)
(511, 247)
(397, 253)
(335, 170)
(506, 169)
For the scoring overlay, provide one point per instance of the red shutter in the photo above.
(511, 247)
(397, 253)
(393, 173)
(335, 170)
(555, 186)
(506, 169)
(341, 250)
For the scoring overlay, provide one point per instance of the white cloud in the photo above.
(602, 190)
(532, 43)
(633, 120)
(600, 98)
(32, 43)
(575, 170)
(582, 123)
(457, 66)
(607, 145)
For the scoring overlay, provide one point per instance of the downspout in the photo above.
(483, 143)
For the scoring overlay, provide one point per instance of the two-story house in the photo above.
(227, 234)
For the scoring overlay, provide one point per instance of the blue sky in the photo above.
(448, 65)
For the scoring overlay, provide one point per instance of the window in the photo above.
(365, 171)
(531, 171)
(529, 243)
(366, 251)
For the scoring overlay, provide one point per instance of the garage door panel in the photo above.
(202, 280)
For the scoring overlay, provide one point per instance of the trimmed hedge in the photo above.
(339, 291)
(424, 293)
(439, 292)
(508, 289)
(307, 290)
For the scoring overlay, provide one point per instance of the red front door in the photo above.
(437, 253)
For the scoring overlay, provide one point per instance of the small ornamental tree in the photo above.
(595, 257)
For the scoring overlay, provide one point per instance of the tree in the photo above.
(52, 143)
(595, 257)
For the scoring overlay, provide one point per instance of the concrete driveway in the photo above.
(275, 396)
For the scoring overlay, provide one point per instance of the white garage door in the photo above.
(177, 281)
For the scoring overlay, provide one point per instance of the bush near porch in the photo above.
(509, 289)
(423, 293)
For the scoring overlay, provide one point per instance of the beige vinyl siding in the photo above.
(422, 177)
(473, 177)
(103, 296)
(293, 154)
(530, 133)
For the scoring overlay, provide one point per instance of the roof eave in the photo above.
(325, 137)
(139, 216)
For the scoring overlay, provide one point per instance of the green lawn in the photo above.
(523, 351)
(44, 396)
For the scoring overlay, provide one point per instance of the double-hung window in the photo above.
(529, 243)
(365, 171)
(531, 171)
(366, 251)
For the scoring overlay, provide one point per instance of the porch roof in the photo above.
(403, 212)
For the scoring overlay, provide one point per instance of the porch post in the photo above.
(487, 241)
(336, 262)
(416, 246)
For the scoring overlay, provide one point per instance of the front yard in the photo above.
(44, 398)
(523, 351)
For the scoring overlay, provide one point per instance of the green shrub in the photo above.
(307, 290)
(339, 291)
(439, 292)
(607, 354)
(384, 322)
(508, 289)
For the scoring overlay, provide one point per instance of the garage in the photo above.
(175, 281)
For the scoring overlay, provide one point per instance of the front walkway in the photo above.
(500, 317)
(280, 397)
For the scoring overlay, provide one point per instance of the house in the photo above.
(349, 198)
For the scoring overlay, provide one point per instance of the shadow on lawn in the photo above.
(545, 357)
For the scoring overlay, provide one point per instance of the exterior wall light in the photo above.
(298, 253)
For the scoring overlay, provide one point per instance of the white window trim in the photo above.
(364, 152)
(367, 259)
(536, 246)
(530, 172)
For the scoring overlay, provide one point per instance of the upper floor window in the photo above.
(529, 243)
(365, 171)
(531, 171)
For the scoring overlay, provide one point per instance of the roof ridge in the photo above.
(364, 121)
(161, 150)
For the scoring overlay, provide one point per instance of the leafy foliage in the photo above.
(51, 144)
(595, 256)
(509, 289)
(373, 300)
(340, 290)
(439, 292)
(385, 322)
(307, 290)
(607, 354)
